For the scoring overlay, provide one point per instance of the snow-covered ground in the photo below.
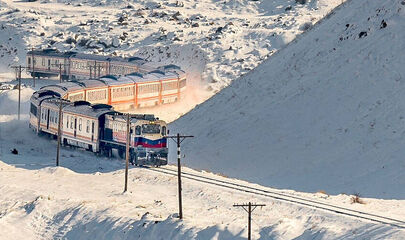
(84, 199)
(214, 41)
(325, 113)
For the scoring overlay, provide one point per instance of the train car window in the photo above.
(80, 124)
(43, 61)
(71, 122)
(88, 126)
(33, 109)
(164, 131)
(92, 127)
(67, 121)
(29, 61)
(138, 130)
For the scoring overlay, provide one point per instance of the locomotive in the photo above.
(99, 128)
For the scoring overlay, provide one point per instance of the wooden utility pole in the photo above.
(33, 65)
(179, 139)
(19, 91)
(18, 70)
(59, 132)
(127, 153)
(97, 70)
(249, 210)
(60, 70)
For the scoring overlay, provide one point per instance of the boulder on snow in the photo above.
(362, 34)
(14, 151)
(383, 24)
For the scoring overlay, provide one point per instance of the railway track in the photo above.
(284, 197)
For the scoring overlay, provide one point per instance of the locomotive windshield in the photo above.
(150, 128)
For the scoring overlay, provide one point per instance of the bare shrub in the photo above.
(356, 199)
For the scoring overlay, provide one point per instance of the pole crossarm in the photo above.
(249, 210)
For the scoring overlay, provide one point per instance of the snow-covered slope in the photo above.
(327, 112)
(215, 42)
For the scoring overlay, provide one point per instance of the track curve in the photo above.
(286, 198)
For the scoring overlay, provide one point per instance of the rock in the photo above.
(176, 15)
(362, 34)
(195, 25)
(219, 30)
(83, 42)
(14, 151)
(122, 20)
(288, 8)
(305, 26)
(116, 42)
(70, 40)
(42, 34)
(383, 24)
(179, 4)
(301, 1)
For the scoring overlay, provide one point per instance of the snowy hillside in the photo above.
(215, 42)
(325, 113)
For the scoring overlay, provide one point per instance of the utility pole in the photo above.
(249, 210)
(19, 91)
(97, 70)
(60, 70)
(18, 70)
(179, 139)
(59, 132)
(127, 154)
(33, 65)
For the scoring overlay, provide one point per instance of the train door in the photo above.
(49, 64)
(92, 131)
(75, 131)
(47, 118)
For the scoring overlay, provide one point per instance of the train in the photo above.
(124, 83)
(99, 128)
(73, 65)
(131, 91)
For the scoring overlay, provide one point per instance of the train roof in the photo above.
(143, 65)
(42, 95)
(63, 88)
(46, 52)
(133, 117)
(54, 102)
(91, 110)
